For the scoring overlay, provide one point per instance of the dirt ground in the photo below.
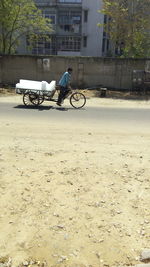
(74, 195)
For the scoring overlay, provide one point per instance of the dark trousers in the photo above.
(62, 94)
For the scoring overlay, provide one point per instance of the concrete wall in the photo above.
(88, 71)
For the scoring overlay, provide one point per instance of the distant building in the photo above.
(75, 29)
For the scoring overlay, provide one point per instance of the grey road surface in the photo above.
(122, 116)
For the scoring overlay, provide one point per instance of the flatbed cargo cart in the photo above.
(35, 93)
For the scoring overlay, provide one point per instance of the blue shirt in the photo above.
(65, 79)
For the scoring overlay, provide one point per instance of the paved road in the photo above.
(126, 116)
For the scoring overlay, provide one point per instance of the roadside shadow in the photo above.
(63, 109)
(42, 108)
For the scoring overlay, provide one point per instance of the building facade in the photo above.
(75, 29)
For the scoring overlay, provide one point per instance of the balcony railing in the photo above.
(57, 2)
(69, 1)
(46, 2)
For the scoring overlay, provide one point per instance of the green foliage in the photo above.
(20, 18)
(128, 26)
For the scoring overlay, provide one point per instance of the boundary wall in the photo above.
(88, 72)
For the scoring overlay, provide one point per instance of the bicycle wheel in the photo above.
(77, 100)
(26, 100)
(36, 99)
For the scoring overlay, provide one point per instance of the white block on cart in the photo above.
(34, 85)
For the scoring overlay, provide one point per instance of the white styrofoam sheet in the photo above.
(35, 85)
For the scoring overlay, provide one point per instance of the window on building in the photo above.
(69, 17)
(43, 46)
(105, 19)
(69, 43)
(103, 45)
(47, 14)
(85, 41)
(85, 15)
(70, 21)
(104, 34)
(107, 44)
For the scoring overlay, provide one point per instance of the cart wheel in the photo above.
(41, 99)
(26, 100)
(77, 100)
(36, 99)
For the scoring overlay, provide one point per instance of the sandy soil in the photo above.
(74, 195)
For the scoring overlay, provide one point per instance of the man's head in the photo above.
(70, 70)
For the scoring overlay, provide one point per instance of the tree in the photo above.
(128, 26)
(20, 18)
